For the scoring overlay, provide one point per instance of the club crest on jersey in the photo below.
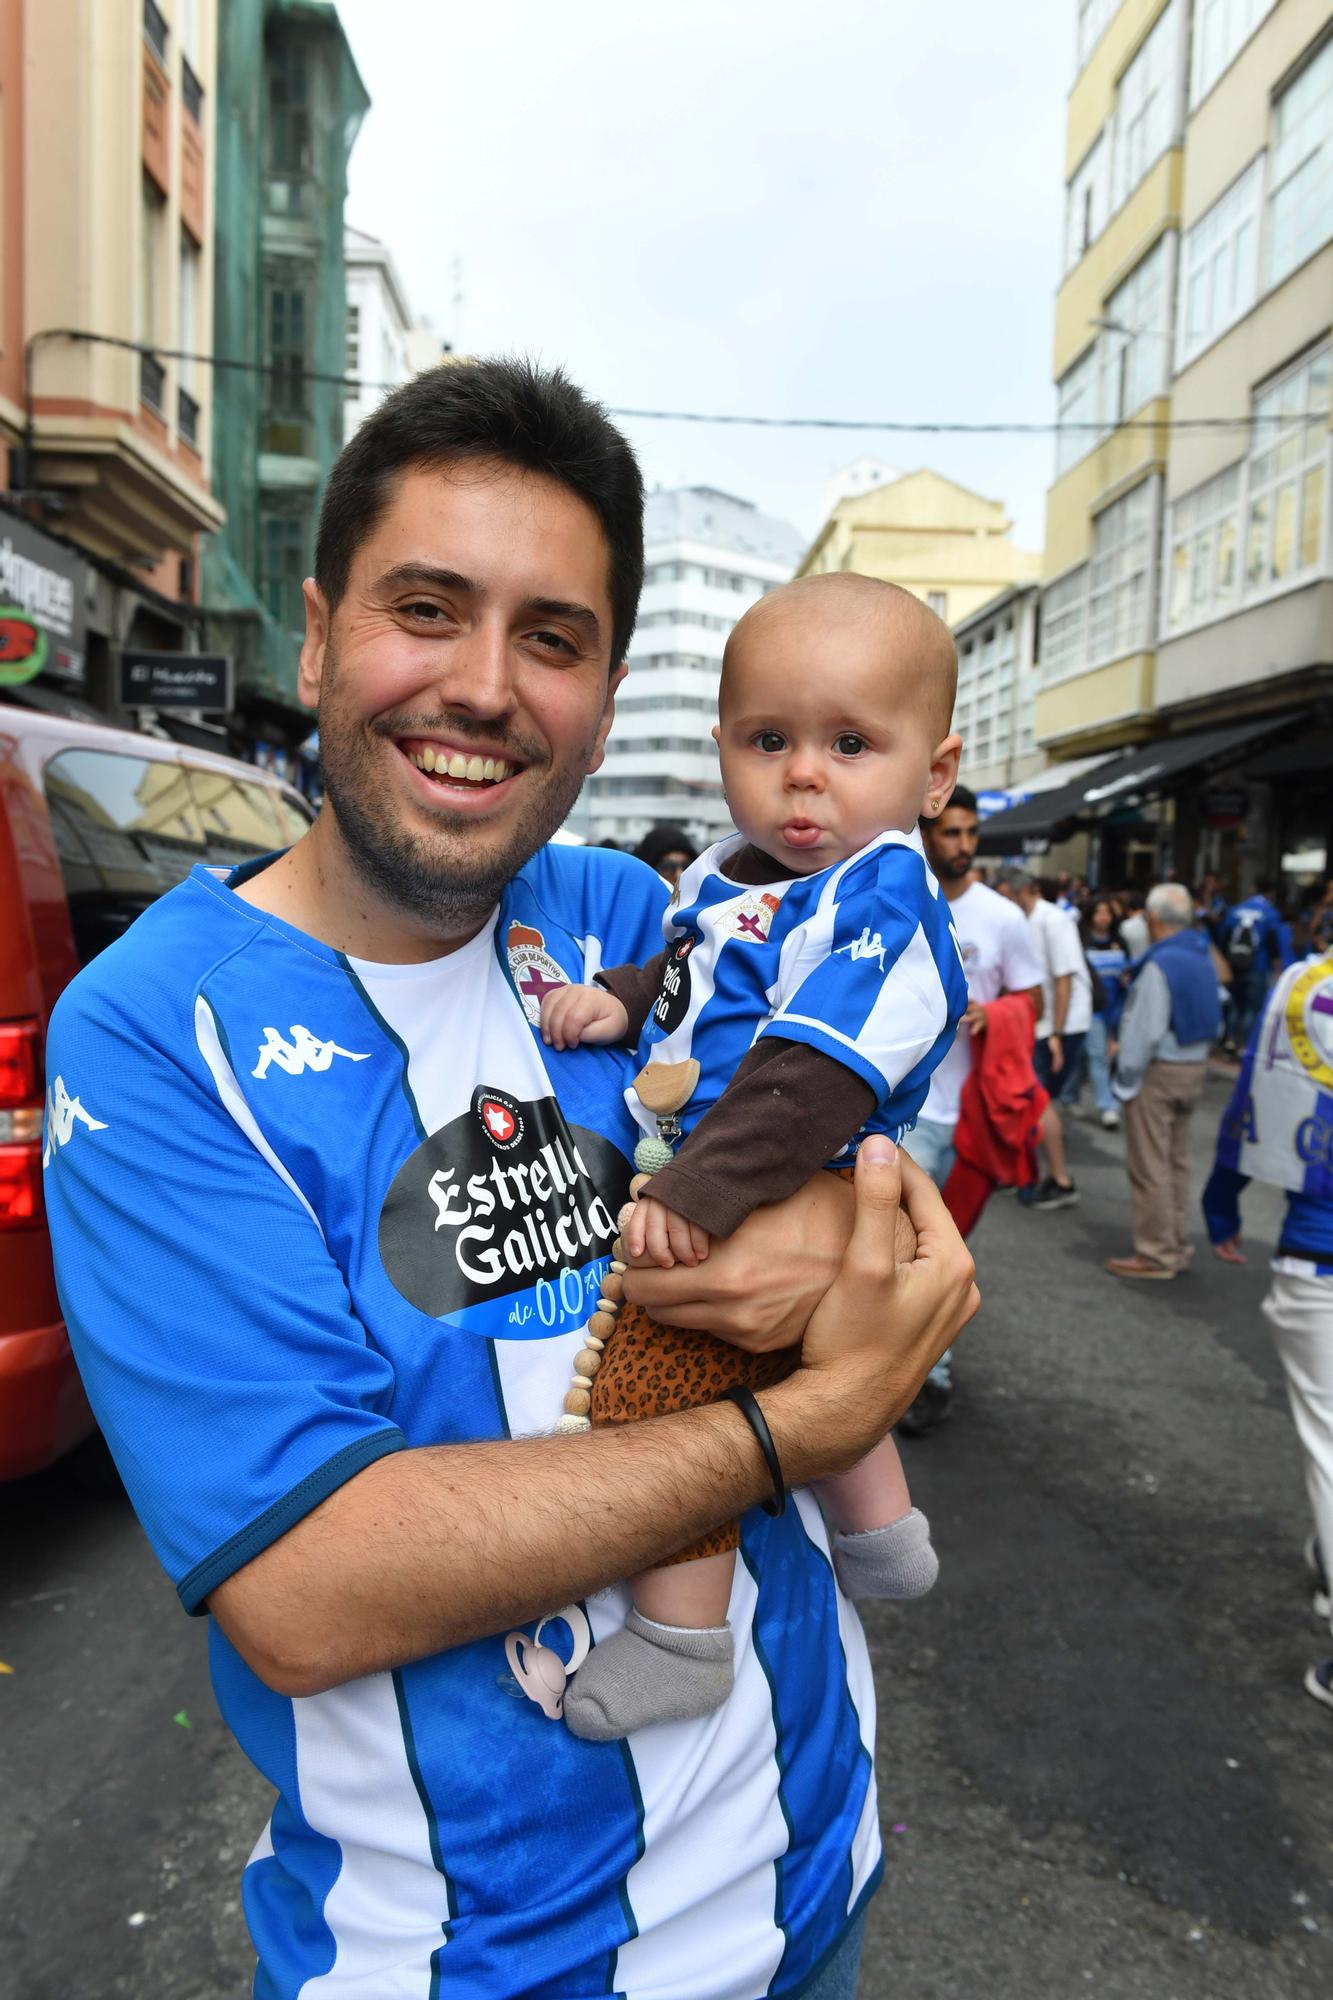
(501, 1119)
(752, 918)
(1309, 1021)
(532, 969)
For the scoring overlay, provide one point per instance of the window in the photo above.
(1146, 112)
(187, 299)
(1064, 616)
(1202, 569)
(126, 829)
(1286, 475)
(938, 602)
(286, 402)
(236, 815)
(1220, 266)
(1221, 27)
(1086, 201)
(1119, 596)
(192, 93)
(1093, 18)
(352, 364)
(283, 568)
(288, 110)
(1076, 412)
(155, 31)
(1133, 352)
(152, 375)
(1300, 168)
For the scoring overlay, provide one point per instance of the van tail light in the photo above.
(21, 1204)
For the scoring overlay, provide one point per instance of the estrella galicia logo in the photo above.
(673, 997)
(502, 1221)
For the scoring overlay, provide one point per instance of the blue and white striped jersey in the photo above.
(859, 961)
(309, 1211)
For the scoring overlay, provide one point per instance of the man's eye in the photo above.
(770, 740)
(556, 640)
(423, 611)
(850, 745)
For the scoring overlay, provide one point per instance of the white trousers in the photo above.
(1300, 1312)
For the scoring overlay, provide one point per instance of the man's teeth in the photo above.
(447, 764)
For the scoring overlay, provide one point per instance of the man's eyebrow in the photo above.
(582, 615)
(426, 576)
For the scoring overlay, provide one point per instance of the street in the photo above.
(1099, 1772)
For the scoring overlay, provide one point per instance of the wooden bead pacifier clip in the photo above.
(664, 1089)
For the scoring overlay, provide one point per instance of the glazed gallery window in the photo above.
(1286, 475)
(1087, 200)
(1300, 168)
(1145, 106)
(1221, 29)
(1120, 593)
(1203, 556)
(1094, 17)
(1076, 412)
(1064, 619)
(1133, 351)
(1220, 265)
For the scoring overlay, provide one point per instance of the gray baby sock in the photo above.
(897, 1561)
(648, 1673)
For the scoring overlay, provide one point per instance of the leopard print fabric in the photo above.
(649, 1370)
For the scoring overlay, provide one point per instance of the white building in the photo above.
(380, 330)
(708, 558)
(998, 678)
(855, 479)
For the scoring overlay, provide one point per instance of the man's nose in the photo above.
(477, 676)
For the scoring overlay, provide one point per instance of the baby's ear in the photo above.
(715, 733)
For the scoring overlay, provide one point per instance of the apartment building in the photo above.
(107, 141)
(995, 712)
(1187, 601)
(708, 557)
(944, 543)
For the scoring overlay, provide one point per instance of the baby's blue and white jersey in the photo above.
(309, 1211)
(860, 961)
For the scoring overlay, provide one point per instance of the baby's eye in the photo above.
(850, 745)
(770, 740)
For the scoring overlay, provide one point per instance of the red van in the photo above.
(95, 823)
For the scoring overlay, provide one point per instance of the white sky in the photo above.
(848, 210)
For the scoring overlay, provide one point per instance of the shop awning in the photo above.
(1118, 781)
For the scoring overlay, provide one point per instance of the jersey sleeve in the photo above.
(861, 983)
(211, 1325)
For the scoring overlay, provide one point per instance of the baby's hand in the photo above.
(575, 1014)
(651, 1229)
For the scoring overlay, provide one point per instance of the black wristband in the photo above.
(745, 1402)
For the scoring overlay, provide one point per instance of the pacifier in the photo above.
(539, 1670)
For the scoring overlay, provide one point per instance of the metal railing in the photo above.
(152, 381)
(187, 417)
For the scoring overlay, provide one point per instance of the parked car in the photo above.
(95, 823)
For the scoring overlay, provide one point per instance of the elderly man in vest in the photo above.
(1171, 1019)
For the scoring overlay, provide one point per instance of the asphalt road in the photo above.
(1099, 1772)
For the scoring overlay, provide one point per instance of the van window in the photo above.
(239, 818)
(126, 828)
(295, 821)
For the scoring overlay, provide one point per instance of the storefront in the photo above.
(43, 610)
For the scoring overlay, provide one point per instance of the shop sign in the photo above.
(176, 680)
(1224, 805)
(42, 608)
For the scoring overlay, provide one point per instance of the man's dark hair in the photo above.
(506, 409)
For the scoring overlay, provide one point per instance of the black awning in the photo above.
(1143, 773)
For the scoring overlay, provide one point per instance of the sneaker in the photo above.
(1051, 1195)
(933, 1406)
(1111, 1121)
(1322, 1598)
(1319, 1682)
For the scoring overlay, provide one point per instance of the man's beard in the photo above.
(452, 882)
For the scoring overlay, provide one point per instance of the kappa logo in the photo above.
(304, 1051)
(532, 969)
(752, 919)
(63, 1113)
(865, 946)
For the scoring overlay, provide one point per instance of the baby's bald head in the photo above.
(869, 623)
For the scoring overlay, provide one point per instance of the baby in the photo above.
(810, 984)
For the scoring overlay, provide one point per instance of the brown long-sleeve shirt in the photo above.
(787, 1110)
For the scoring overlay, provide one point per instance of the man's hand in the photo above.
(974, 1020)
(651, 1230)
(880, 1327)
(1056, 1048)
(1230, 1251)
(574, 1014)
(760, 1286)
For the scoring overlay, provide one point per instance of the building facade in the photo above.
(379, 327)
(290, 104)
(107, 152)
(998, 674)
(947, 545)
(709, 556)
(1187, 586)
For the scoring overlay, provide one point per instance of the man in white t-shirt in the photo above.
(1066, 1016)
(998, 957)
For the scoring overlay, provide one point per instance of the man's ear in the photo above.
(943, 777)
(310, 674)
(598, 756)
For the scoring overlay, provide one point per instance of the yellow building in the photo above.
(948, 546)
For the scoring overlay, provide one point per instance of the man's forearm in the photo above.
(1060, 1002)
(432, 1547)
